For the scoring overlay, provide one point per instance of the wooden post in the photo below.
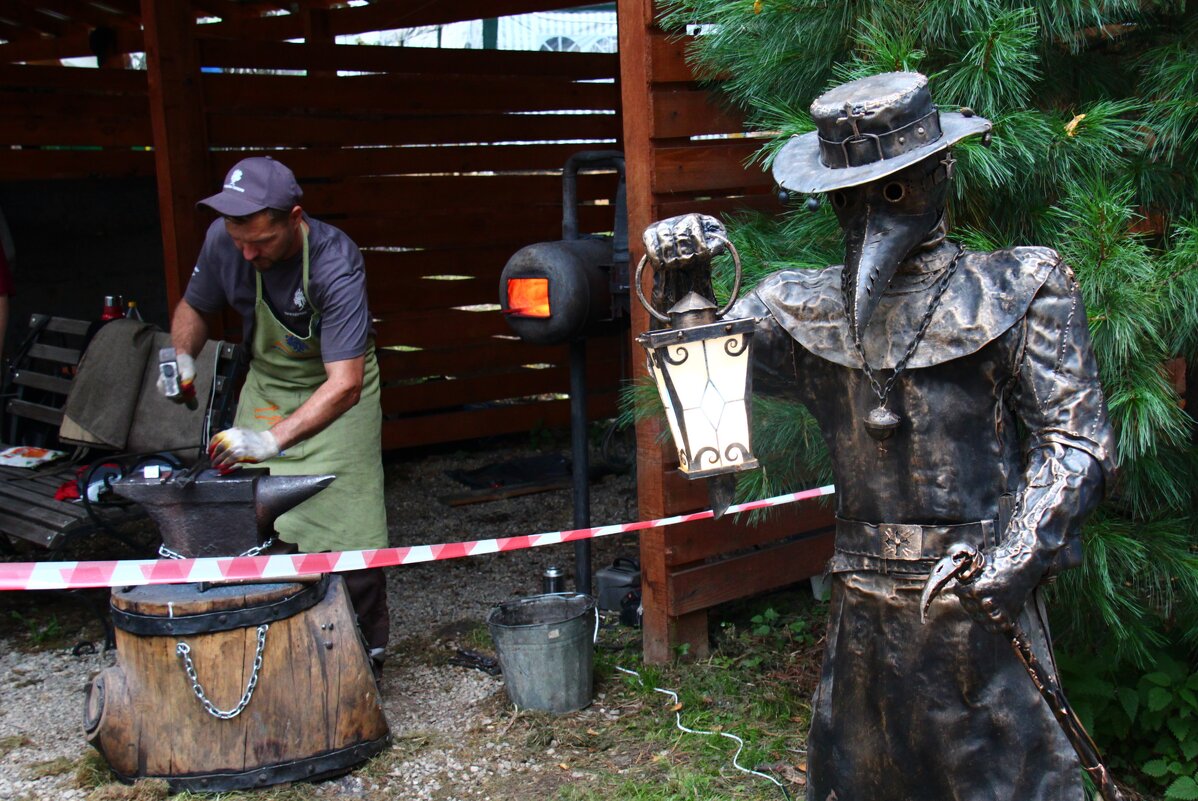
(318, 29)
(661, 631)
(180, 134)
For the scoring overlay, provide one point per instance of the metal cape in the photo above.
(990, 293)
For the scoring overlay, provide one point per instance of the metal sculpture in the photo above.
(959, 397)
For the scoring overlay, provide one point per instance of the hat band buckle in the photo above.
(838, 155)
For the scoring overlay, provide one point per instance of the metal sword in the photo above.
(962, 565)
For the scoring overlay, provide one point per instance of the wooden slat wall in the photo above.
(437, 167)
(439, 164)
(106, 111)
(686, 153)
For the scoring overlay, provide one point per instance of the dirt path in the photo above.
(453, 728)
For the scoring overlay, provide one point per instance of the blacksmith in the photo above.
(959, 397)
(310, 404)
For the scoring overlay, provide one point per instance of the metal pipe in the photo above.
(580, 462)
(589, 158)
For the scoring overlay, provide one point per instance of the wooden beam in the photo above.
(404, 60)
(46, 48)
(180, 135)
(317, 29)
(27, 13)
(382, 15)
(84, 12)
(661, 630)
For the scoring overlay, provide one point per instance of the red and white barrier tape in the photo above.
(130, 572)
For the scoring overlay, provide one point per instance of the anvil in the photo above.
(219, 515)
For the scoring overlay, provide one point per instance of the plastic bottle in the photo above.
(112, 308)
(132, 312)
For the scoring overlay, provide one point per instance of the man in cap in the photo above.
(958, 395)
(310, 404)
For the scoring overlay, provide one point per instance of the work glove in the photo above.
(233, 447)
(186, 367)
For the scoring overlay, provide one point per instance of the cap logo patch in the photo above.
(233, 179)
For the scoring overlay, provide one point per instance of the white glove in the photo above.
(235, 446)
(187, 379)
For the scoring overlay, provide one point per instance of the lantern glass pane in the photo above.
(734, 430)
(728, 366)
(664, 393)
(688, 372)
(702, 441)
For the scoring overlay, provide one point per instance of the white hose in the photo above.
(740, 744)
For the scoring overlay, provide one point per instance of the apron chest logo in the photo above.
(291, 345)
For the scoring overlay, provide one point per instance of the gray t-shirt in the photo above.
(336, 288)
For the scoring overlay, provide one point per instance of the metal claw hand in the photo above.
(961, 565)
(679, 243)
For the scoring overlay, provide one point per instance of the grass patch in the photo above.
(141, 790)
(299, 791)
(626, 746)
(12, 742)
(92, 771)
(51, 767)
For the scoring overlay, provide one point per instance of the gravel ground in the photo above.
(435, 607)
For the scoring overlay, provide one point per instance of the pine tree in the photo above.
(1095, 112)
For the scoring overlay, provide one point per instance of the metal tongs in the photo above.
(188, 477)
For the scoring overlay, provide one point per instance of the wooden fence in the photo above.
(688, 154)
(439, 164)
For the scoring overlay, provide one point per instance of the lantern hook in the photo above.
(640, 292)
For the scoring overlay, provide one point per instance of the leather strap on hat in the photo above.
(867, 148)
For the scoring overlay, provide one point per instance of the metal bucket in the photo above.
(546, 649)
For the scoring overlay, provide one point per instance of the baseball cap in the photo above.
(255, 184)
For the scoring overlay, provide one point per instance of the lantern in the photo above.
(701, 364)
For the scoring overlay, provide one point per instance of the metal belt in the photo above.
(902, 547)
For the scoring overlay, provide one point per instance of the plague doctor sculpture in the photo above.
(959, 398)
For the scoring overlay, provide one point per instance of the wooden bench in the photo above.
(36, 390)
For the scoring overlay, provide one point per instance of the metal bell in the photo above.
(881, 423)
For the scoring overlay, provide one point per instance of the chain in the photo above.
(184, 650)
(257, 549)
(167, 553)
(884, 392)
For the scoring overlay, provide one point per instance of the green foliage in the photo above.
(1095, 112)
(1150, 717)
(39, 633)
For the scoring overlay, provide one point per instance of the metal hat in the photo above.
(867, 129)
(255, 184)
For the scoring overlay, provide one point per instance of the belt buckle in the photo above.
(903, 542)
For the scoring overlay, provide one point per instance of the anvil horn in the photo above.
(275, 495)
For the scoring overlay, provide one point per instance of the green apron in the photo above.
(285, 370)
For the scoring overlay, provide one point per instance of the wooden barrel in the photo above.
(291, 648)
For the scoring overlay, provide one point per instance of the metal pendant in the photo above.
(881, 423)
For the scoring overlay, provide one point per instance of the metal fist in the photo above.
(679, 243)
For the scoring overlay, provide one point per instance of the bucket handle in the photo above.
(184, 650)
